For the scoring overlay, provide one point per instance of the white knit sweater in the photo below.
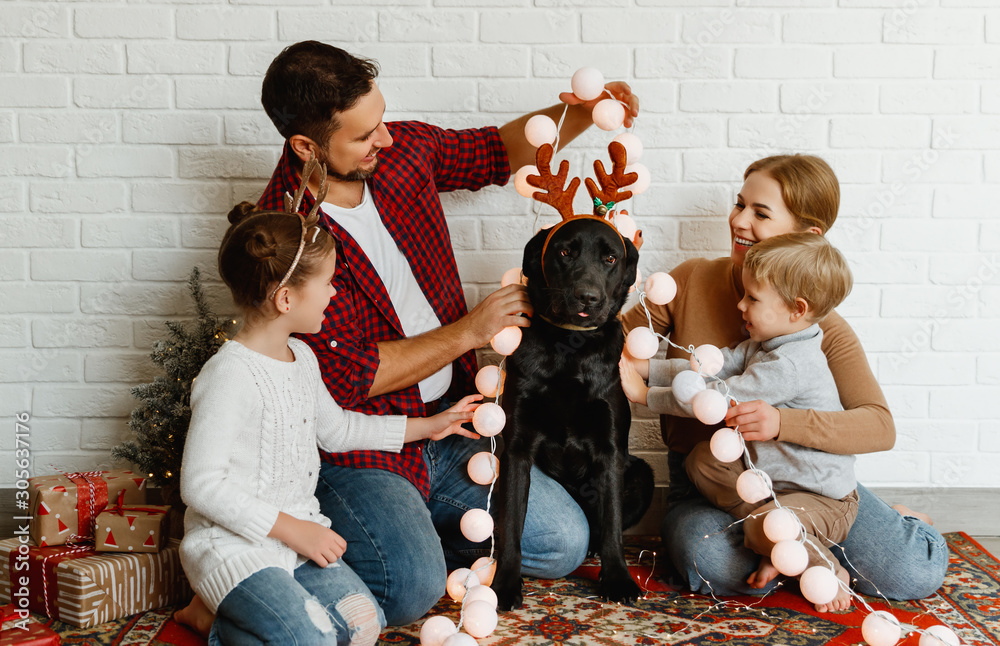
(251, 452)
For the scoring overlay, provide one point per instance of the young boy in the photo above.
(790, 283)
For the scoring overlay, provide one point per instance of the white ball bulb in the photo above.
(483, 468)
(753, 486)
(609, 114)
(461, 639)
(660, 288)
(507, 340)
(709, 406)
(710, 357)
(642, 182)
(633, 146)
(819, 584)
(587, 83)
(435, 630)
(489, 419)
(521, 184)
(686, 385)
(781, 524)
(512, 276)
(485, 568)
(939, 636)
(540, 130)
(641, 343)
(480, 618)
(487, 381)
(459, 581)
(726, 445)
(625, 225)
(477, 525)
(881, 628)
(481, 593)
(790, 557)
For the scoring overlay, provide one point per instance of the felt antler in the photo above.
(611, 183)
(556, 196)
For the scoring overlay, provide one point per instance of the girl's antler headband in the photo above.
(292, 204)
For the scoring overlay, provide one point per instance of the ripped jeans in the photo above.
(317, 606)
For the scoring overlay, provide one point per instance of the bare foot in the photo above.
(843, 599)
(906, 511)
(765, 574)
(196, 616)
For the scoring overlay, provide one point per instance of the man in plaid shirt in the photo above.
(398, 338)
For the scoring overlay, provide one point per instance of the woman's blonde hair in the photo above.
(802, 265)
(809, 187)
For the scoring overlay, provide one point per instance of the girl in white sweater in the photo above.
(256, 549)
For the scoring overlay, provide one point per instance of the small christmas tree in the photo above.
(160, 421)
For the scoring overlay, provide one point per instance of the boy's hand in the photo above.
(321, 545)
(633, 385)
(758, 420)
(641, 365)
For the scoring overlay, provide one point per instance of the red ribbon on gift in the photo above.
(92, 498)
(121, 508)
(42, 562)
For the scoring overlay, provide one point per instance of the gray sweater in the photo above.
(786, 372)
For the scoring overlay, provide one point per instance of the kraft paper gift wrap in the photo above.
(132, 528)
(65, 506)
(84, 588)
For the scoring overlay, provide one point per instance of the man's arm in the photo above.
(404, 362)
(579, 117)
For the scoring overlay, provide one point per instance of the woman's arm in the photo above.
(864, 426)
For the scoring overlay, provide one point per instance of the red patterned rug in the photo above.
(566, 613)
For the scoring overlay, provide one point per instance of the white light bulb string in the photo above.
(803, 535)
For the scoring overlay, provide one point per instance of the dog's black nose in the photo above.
(587, 295)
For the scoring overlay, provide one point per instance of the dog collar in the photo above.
(568, 326)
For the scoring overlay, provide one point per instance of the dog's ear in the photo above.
(631, 266)
(531, 265)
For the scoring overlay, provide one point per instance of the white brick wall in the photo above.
(128, 131)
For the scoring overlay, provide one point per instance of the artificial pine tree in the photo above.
(160, 421)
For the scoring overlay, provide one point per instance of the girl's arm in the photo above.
(864, 426)
(224, 403)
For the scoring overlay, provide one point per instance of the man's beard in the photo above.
(355, 175)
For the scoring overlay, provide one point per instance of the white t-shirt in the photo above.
(415, 313)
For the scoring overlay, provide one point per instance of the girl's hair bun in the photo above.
(241, 212)
(261, 245)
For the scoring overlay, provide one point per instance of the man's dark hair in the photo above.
(308, 83)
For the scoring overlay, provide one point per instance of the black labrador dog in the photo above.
(566, 411)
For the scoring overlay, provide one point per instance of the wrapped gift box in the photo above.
(19, 630)
(65, 506)
(132, 528)
(77, 585)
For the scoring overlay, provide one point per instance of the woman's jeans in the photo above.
(885, 553)
(329, 606)
(402, 546)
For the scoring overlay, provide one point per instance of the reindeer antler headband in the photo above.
(560, 197)
(292, 204)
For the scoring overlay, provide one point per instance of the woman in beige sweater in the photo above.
(890, 552)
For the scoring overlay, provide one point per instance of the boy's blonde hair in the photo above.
(802, 265)
(809, 187)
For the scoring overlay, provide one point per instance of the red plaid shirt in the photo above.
(422, 161)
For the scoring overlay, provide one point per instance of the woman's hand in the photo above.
(443, 424)
(758, 420)
(320, 544)
(620, 90)
(633, 385)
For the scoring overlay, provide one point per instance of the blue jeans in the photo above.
(317, 606)
(890, 555)
(402, 547)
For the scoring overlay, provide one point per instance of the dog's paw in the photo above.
(509, 595)
(620, 589)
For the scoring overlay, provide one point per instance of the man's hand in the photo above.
(502, 308)
(620, 90)
(313, 541)
(758, 420)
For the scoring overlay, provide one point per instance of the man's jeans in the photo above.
(890, 555)
(402, 547)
